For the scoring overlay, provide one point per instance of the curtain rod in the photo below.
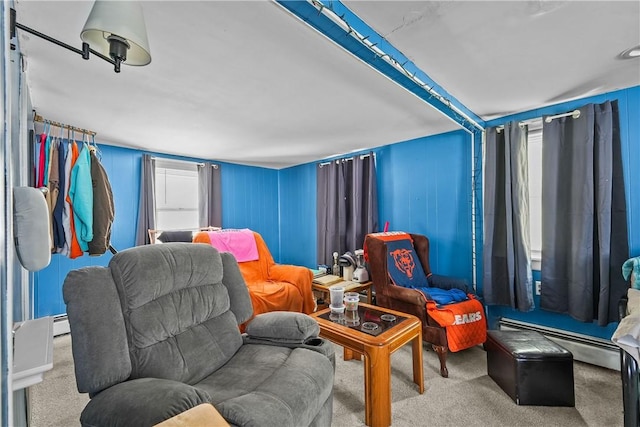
(362, 156)
(575, 114)
(38, 118)
(538, 120)
(199, 164)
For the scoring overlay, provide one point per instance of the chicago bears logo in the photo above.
(403, 259)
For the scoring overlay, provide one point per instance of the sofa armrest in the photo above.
(282, 327)
(300, 277)
(447, 282)
(288, 329)
(144, 401)
(408, 295)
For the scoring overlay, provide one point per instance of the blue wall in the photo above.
(249, 200)
(424, 186)
(298, 235)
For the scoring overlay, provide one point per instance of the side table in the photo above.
(376, 343)
(322, 291)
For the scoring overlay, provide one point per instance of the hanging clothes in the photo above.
(75, 250)
(77, 192)
(103, 207)
(66, 207)
(51, 186)
(47, 160)
(54, 190)
(41, 160)
(58, 226)
(36, 160)
(81, 194)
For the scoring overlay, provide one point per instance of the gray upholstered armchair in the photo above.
(156, 333)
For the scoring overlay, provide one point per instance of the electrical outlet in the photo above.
(538, 284)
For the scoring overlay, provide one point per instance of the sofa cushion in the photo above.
(100, 350)
(237, 289)
(179, 324)
(141, 402)
(267, 385)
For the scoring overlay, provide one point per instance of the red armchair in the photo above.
(413, 301)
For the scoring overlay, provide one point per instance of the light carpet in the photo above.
(469, 397)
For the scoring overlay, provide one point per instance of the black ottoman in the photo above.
(530, 368)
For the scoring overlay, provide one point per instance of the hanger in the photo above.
(85, 144)
(94, 148)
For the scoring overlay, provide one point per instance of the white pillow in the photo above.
(31, 228)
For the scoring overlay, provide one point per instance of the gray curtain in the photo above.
(507, 276)
(347, 205)
(147, 206)
(210, 195)
(584, 216)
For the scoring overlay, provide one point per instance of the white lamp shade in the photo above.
(121, 18)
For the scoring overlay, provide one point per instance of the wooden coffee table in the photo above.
(376, 344)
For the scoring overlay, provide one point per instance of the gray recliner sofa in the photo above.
(156, 333)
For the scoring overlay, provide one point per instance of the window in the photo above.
(176, 195)
(535, 193)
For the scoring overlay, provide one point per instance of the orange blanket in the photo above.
(273, 287)
(464, 322)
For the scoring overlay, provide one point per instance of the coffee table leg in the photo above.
(377, 386)
(351, 354)
(418, 372)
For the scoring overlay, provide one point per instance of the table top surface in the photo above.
(372, 324)
(346, 284)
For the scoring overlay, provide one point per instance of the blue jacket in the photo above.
(81, 195)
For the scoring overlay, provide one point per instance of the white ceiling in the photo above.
(248, 82)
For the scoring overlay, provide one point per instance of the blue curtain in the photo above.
(209, 195)
(347, 205)
(147, 204)
(584, 215)
(507, 278)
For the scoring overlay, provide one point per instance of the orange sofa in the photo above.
(273, 287)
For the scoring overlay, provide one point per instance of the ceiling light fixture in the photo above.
(632, 52)
(114, 31)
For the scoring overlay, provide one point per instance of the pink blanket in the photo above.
(241, 243)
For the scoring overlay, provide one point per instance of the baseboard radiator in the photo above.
(592, 350)
(60, 325)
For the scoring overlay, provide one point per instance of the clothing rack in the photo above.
(54, 182)
(40, 119)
